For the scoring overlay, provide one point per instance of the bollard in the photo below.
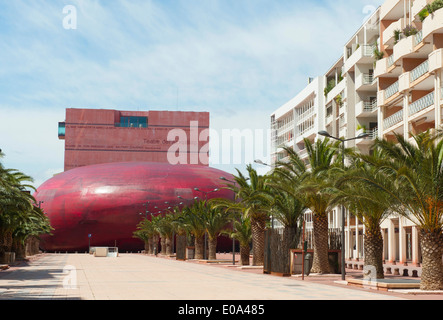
(405, 273)
(388, 270)
(414, 273)
(396, 272)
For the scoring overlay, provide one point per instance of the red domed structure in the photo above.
(105, 201)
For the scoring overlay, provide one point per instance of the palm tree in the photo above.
(286, 206)
(315, 184)
(215, 220)
(250, 194)
(368, 194)
(193, 221)
(417, 169)
(146, 232)
(241, 232)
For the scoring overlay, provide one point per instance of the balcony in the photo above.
(362, 55)
(336, 91)
(366, 108)
(391, 90)
(365, 81)
(433, 23)
(393, 120)
(329, 119)
(421, 104)
(419, 5)
(436, 60)
(419, 71)
(391, 10)
(388, 34)
(404, 82)
(404, 48)
(373, 134)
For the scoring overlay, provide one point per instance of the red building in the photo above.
(94, 136)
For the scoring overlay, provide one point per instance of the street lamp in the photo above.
(261, 162)
(360, 136)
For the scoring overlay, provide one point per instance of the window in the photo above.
(61, 129)
(133, 122)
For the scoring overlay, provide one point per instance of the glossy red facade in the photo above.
(105, 201)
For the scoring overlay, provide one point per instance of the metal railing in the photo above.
(421, 103)
(368, 51)
(391, 90)
(420, 70)
(369, 106)
(368, 78)
(394, 119)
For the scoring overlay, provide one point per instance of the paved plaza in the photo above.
(143, 277)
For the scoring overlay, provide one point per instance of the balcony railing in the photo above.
(368, 51)
(373, 134)
(390, 60)
(368, 78)
(391, 90)
(394, 119)
(369, 106)
(419, 71)
(422, 103)
(418, 37)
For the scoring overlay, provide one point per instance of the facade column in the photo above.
(415, 247)
(401, 241)
(391, 241)
(437, 98)
(357, 240)
(348, 236)
(385, 242)
(380, 117)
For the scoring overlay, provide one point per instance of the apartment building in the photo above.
(409, 96)
(388, 80)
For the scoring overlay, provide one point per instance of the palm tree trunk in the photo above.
(373, 242)
(199, 247)
(258, 241)
(19, 249)
(168, 244)
(162, 245)
(212, 246)
(244, 255)
(150, 249)
(432, 267)
(320, 263)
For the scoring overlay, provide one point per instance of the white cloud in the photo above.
(141, 55)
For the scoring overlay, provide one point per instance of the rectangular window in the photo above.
(133, 122)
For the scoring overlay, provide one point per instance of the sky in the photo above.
(238, 59)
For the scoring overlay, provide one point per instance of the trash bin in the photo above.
(308, 263)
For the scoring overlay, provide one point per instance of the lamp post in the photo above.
(360, 136)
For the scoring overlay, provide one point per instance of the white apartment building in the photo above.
(400, 92)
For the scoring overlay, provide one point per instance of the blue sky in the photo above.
(238, 59)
